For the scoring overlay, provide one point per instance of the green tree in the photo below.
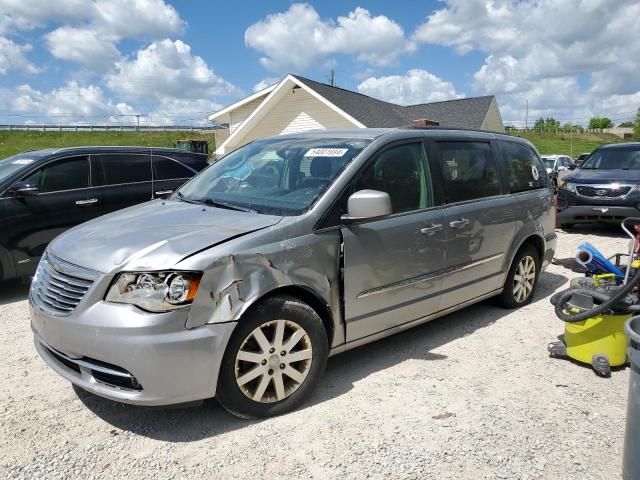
(539, 125)
(636, 126)
(551, 123)
(626, 125)
(600, 122)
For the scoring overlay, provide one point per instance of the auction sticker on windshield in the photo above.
(326, 152)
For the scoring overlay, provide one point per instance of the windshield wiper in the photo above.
(228, 206)
(185, 199)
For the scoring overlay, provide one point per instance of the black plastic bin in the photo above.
(631, 460)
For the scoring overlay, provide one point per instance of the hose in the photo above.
(560, 299)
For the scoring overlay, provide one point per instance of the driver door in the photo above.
(393, 266)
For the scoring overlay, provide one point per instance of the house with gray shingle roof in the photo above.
(297, 104)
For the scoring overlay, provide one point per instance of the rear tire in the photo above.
(566, 226)
(274, 359)
(522, 279)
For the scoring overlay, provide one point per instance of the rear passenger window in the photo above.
(469, 170)
(117, 169)
(524, 168)
(165, 168)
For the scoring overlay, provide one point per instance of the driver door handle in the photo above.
(463, 222)
(432, 229)
(164, 192)
(91, 201)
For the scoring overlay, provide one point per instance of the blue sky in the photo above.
(174, 61)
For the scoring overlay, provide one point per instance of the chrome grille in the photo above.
(603, 191)
(58, 286)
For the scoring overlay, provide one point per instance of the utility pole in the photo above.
(332, 78)
(526, 117)
(138, 119)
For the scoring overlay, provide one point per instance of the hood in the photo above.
(154, 235)
(603, 176)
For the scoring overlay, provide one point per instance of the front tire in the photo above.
(522, 278)
(274, 359)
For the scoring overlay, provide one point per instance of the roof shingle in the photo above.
(374, 113)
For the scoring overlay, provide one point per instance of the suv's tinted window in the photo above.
(469, 170)
(525, 171)
(166, 169)
(400, 171)
(66, 174)
(123, 168)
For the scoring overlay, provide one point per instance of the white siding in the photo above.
(493, 120)
(240, 114)
(298, 111)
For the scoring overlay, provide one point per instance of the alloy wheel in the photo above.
(524, 279)
(273, 361)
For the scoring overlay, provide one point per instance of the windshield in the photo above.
(548, 162)
(613, 159)
(11, 165)
(273, 176)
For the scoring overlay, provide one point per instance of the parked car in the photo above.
(45, 192)
(603, 189)
(557, 166)
(286, 251)
(581, 158)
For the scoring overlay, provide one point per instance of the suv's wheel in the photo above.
(274, 359)
(522, 278)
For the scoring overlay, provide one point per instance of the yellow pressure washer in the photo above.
(595, 310)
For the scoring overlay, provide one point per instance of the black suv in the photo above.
(45, 192)
(604, 189)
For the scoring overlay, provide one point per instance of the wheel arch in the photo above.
(305, 295)
(532, 238)
(7, 267)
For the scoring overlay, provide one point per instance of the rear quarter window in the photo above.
(117, 169)
(524, 168)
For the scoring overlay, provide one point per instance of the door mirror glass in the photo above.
(572, 167)
(25, 189)
(368, 204)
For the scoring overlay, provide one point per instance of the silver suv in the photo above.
(286, 251)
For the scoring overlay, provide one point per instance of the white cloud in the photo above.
(72, 101)
(417, 86)
(536, 49)
(264, 83)
(29, 14)
(167, 71)
(137, 18)
(83, 46)
(91, 29)
(299, 38)
(13, 57)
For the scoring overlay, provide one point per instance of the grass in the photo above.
(568, 144)
(16, 142)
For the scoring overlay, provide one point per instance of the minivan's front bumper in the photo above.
(124, 354)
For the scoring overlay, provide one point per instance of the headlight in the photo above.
(156, 291)
(566, 185)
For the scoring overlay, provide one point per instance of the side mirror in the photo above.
(24, 189)
(367, 204)
(573, 166)
(562, 169)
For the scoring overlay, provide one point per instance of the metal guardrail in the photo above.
(105, 128)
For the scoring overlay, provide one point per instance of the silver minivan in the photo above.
(284, 252)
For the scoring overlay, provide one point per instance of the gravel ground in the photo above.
(470, 396)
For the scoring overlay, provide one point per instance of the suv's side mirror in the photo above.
(573, 166)
(562, 168)
(367, 204)
(24, 189)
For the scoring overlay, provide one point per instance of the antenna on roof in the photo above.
(332, 78)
